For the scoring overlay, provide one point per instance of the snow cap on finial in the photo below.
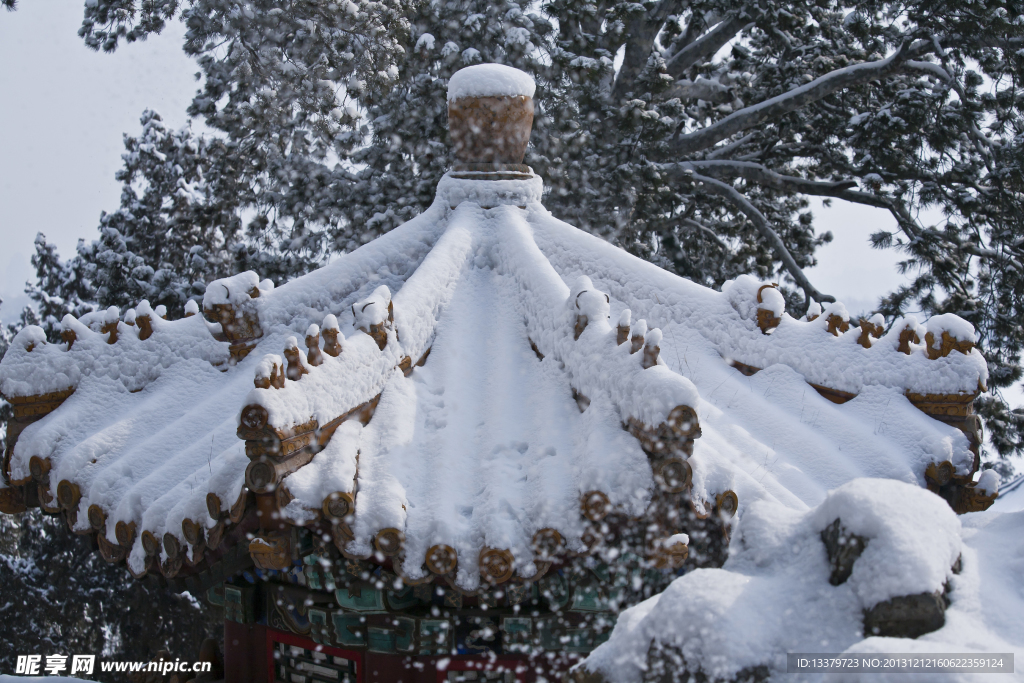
(490, 80)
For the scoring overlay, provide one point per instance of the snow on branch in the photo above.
(707, 45)
(821, 87)
(761, 175)
(700, 89)
(842, 189)
(733, 196)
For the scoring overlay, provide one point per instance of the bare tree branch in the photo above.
(823, 86)
(990, 40)
(728, 149)
(843, 189)
(694, 28)
(642, 31)
(705, 230)
(756, 173)
(993, 255)
(734, 197)
(701, 89)
(707, 45)
(903, 218)
(929, 68)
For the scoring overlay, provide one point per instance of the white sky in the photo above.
(64, 108)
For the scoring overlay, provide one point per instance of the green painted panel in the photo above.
(587, 598)
(554, 589)
(312, 573)
(320, 631)
(398, 601)
(239, 604)
(560, 639)
(360, 600)
(405, 634)
(517, 633)
(435, 636)
(215, 595)
(349, 629)
(380, 640)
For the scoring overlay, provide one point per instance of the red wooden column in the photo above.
(245, 653)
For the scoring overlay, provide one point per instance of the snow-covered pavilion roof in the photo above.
(497, 366)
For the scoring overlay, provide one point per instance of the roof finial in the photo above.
(490, 116)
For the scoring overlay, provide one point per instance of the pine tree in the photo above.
(7, 333)
(60, 288)
(65, 599)
(177, 226)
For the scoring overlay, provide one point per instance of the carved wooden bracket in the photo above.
(240, 327)
(667, 554)
(957, 489)
(727, 503)
(836, 325)
(652, 348)
(276, 453)
(313, 354)
(124, 532)
(595, 505)
(947, 344)
(338, 505)
(213, 506)
(110, 329)
(193, 531)
(150, 543)
(908, 336)
(766, 318)
(111, 552)
(271, 551)
(673, 475)
(622, 328)
(869, 331)
(68, 495)
(675, 436)
(548, 544)
(293, 356)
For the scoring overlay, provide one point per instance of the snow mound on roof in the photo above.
(33, 367)
(957, 327)
(21, 376)
(909, 528)
(773, 595)
(490, 80)
(234, 290)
